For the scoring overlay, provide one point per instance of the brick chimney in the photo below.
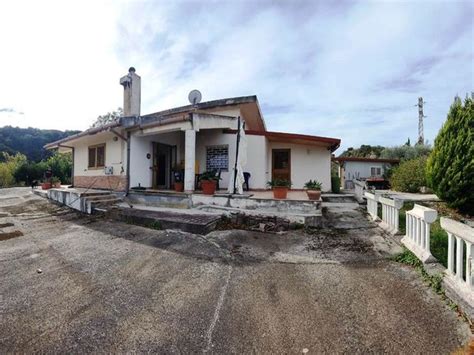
(131, 93)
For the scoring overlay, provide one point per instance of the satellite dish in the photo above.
(195, 97)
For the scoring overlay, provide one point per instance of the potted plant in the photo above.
(208, 181)
(178, 182)
(280, 188)
(45, 185)
(313, 189)
(55, 182)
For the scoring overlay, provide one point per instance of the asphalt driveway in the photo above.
(75, 283)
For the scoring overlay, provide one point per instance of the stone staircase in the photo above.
(101, 202)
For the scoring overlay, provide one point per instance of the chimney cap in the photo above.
(131, 70)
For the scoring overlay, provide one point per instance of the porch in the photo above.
(163, 155)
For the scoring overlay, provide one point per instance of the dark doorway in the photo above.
(281, 164)
(162, 165)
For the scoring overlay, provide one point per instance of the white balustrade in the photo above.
(417, 235)
(390, 213)
(359, 187)
(460, 238)
(372, 204)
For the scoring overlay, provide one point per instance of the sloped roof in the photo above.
(332, 143)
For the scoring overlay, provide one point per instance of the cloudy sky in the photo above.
(352, 70)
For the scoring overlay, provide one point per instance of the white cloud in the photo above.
(349, 70)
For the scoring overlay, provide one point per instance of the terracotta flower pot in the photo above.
(314, 195)
(178, 187)
(57, 185)
(46, 185)
(280, 192)
(208, 187)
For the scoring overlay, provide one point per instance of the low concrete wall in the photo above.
(170, 200)
(70, 199)
(250, 203)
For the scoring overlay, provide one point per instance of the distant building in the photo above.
(353, 168)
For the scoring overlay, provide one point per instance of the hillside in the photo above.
(29, 141)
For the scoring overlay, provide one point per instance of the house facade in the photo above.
(355, 168)
(146, 150)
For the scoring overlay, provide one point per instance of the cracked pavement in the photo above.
(106, 286)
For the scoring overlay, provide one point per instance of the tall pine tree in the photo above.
(450, 167)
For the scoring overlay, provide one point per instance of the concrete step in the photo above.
(99, 197)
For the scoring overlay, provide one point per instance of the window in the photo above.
(376, 171)
(217, 157)
(97, 156)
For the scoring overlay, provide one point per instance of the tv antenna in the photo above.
(194, 97)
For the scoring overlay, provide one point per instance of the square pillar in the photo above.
(189, 159)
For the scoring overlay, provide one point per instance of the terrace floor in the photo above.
(79, 283)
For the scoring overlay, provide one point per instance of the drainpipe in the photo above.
(73, 154)
(127, 188)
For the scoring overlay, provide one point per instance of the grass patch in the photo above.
(439, 243)
(155, 225)
(408, 258)
(438, 237)
(402, 216)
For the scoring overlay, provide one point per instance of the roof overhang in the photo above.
(248, 106)
(91, 131)
(294, 138)
(366, 160)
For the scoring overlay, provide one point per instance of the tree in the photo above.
(409, 176)
(109, 117)
(8, 167)
(406, 152)
(29, 141)
(450, 168)
(59, 163)
(61, 166)
(365, 151)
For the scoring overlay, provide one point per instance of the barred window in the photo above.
(217, 157)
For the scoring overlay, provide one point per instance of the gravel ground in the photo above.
(75, 284)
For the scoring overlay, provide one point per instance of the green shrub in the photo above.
(60, 164)
(409, 176)
(335, 184)
(8, 166)
(450, 167)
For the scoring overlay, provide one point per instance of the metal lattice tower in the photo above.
(421, 136)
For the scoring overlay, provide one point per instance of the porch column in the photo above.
(189, 159)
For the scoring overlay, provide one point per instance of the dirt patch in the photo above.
(10, 235)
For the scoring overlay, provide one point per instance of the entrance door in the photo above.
(281, 164)
(162, 156)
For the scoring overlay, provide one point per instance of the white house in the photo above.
(144, 150)
(355, 168)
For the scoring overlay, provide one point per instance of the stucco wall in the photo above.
(307, 162)
(257, 155)
(115, 154)
(140, 146)
(211, 137)
(361, 170)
